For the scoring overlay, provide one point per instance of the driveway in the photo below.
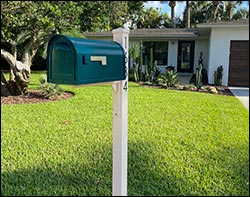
(242, 94)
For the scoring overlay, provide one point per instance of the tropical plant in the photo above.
(188, 14)
(134, 54)
(198, 77)
(153, 18)
(241, 13)
(169, 79)
(218, 74)
(206, 11)
(150, 67)
(49, 89)
(140, 62)
(172, 4)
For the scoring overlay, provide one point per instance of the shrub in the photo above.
(170, 79)
(49, 89)
(218, 76)
(198, 77)
(134, 54)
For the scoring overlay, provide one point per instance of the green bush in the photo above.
(218, 76)
(49, 89)
(170, 79)
(198, 77)
(134, 54)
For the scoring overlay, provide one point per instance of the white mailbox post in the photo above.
(120, 122)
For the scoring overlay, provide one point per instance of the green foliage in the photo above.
(241, 14)
(151, 71)
(153, 18)
(49, 89)
(179, 144)
(107, 15)
(37, 16)
(135, 11)
(169, 79)
(73, 33)
(218, 74)
(134, 54)
(203, 11)
(140, 62)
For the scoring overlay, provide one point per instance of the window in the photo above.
(160, 52)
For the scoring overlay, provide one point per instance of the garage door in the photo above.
(239, 64)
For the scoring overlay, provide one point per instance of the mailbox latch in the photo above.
(102, 59)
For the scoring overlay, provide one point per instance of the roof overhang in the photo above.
(225, 24)
(150, 34)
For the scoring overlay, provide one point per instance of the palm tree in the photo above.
(241, 14)
(188, 14)
(200, 12)
(229, 9)
(215, 9)
(172, 4)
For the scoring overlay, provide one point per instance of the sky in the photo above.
(179, 8)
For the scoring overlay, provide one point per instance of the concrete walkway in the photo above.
(242, 94)
(184, 78)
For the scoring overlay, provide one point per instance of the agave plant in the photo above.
(170, 79)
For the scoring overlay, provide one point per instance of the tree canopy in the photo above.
(28, 25)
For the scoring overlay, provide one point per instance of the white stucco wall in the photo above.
(172, 53)
(220, 49)
(201, 46)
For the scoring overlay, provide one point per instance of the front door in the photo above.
(185, 56)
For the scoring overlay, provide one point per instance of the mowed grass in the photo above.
(179, 144)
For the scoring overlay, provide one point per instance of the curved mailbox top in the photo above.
(83, 61)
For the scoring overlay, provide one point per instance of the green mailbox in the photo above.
(82, 61)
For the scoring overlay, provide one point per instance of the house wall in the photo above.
(220, 49)
(173, 53)
(201, 46)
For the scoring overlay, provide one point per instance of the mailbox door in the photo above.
(63, 61)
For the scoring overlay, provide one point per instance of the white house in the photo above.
(221, 43)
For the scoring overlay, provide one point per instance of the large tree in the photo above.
(26, 26)
(205, 11)
(153, 18)
(108, 15)
(172, 4)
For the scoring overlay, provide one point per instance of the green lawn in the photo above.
(179, 144)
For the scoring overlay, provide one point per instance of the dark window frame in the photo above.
(157, 53)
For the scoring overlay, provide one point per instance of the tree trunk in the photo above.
(4, 86)
(215, 9)
(20, 70)
(188, 14)
(19, 76)
(172, 5)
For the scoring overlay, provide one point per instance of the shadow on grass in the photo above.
(151, 176)
(147, 176)
(90, 177)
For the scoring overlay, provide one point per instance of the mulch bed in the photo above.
(222, 90)
(34, 96)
